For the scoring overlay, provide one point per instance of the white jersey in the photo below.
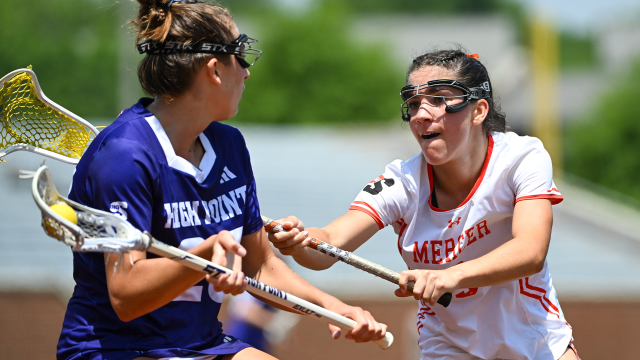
(519, 319)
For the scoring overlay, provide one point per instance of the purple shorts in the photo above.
(224, 345)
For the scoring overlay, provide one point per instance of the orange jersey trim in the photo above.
(367, 209)
(552, 309)
(477, 184)
(555, 199)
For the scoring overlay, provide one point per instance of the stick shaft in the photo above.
(352, 259)
(255, 287)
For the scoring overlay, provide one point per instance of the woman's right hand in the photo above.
(292, 241)
(233, 283)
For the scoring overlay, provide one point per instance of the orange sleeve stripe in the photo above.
(365, 208)
(555, 199)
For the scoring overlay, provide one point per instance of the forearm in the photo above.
(348, 232)
(313, 259)
(150, 283)
(517, 258)
(276, 273)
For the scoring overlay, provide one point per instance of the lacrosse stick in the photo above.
(30, 121)
(99, 231)
(351, 259)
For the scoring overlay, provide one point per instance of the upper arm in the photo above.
(532, 180)
(532, 221)
(531, 175)
(386, 199)
(120, 181)
(258, 252)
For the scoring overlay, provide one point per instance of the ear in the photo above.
(212, 69)
(480, 112)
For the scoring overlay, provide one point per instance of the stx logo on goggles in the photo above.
(213, 47)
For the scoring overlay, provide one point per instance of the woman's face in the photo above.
(233, 81)
(442, 136)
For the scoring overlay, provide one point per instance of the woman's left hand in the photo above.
(367, 329)
(429, 286)
(233, 283)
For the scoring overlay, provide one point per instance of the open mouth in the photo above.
(430, 135)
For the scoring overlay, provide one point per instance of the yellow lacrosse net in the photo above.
(27, 120)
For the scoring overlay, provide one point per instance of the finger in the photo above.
(230, 244)
(291, 222)
(371, 331)
(284, 239)
(219, 254)
(237, 263)
(362, 327)
(383, 331)
(403, 280)
(427, 292)
(295, 245)
(335, 331)
(237, 286)
(219, 283)
(438, 291)
(400, 293)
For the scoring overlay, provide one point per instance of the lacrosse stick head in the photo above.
(96, 231)
(30, 121)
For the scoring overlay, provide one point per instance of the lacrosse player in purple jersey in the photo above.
(170, 167)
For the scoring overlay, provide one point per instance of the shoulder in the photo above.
(128, 141)
(516, 144)
(511, 149)
(128, 136)
(407, 171)
(405, 168)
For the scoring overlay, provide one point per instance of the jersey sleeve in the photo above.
(532, 175)
(387, 198)
(121, 180)
(252, 218)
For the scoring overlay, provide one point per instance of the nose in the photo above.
(423, 113)
(246, 76)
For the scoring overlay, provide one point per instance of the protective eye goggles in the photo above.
(413, 96)
(240, 48)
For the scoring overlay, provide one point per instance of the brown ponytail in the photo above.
(186, 21)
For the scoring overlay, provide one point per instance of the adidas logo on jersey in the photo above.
(226, 175)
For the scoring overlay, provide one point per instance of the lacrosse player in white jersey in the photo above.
(473, 216)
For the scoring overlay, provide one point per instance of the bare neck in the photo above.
(183, 119)
(455, 179)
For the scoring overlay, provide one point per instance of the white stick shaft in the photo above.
(255, 287)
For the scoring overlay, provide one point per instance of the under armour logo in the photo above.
(451, 222)
(226, 175)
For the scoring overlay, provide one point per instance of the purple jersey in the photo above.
(131, 170)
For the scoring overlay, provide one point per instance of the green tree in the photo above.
(72, 47)
(312, 72)
(605, 147)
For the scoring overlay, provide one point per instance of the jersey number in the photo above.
(376, 187)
